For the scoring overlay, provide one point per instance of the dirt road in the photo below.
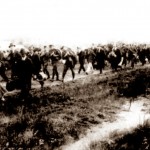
(68, 77)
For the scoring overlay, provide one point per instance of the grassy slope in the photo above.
(59, 115)
(139, 138)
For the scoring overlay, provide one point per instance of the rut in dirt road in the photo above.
(127, 120)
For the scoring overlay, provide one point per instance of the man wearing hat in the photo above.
(90, 57)
(25, 74)
(69, 63)
(11, 45)
(13, 58)
(3, 67)
(37, 63)
(35, 57)
(100, 58)
(55, 56)
(81, 56)
(45, 58)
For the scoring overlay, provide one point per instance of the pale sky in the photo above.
(75, 22)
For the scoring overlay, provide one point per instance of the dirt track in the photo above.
(106, 73)
(127, 120)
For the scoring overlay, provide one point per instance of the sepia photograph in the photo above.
(75, 75)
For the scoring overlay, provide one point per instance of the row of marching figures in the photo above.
(19, 66)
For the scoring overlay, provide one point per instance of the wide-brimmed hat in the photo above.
(36, 49)
(62, 47)
(110, 46)
(22, 51)
(11, 45)
(50, 46)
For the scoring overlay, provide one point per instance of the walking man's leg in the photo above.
(45, 70)
(73, 73)
(64, 71)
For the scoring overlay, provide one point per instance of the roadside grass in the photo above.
(130, 87)
(62, 114)
(59, 115)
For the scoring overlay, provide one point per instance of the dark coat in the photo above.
(119, 55)
(142, 55)
(90, 55)
(13, 59)
(70, 58)
(55, 55)
(35, 58)
(100, 58)
(81, 56)
(114, 58)
(1, 56)
(45, 58)
(25, 72)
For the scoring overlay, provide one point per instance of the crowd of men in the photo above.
(25, 64)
